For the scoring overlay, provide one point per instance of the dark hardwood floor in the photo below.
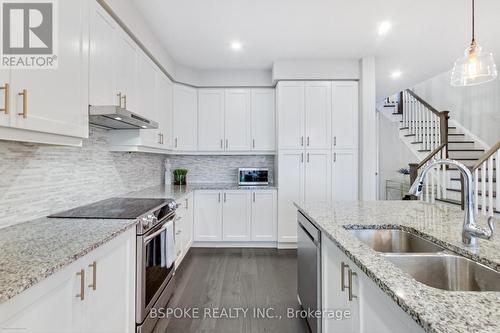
(210, 280)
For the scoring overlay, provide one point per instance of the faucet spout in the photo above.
(470, 229)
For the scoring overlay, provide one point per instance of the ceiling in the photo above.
(426, 36)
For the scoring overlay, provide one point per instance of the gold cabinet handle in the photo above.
(24, 93)
(119, 95)
(6, 89)
(124, 98)
(349, 278)
(81, 295)
(93, 285)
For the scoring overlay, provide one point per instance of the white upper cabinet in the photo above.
(103, 58)
(291, 115)
(164, 96)
(185, 118)
(146, 83)
(345, 115)
(345, 175)
(55, 101)
(127, 84)
(237, 119)
(211, 119)
(263, 120)
(318, 111)
(236, 216)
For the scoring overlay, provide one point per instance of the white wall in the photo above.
(334, 69)
(368, 130)
(476, 108)
(393, 153)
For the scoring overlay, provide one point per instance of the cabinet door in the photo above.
(318, 104)
(263, 120)
(264, 216)
(236, 215)
(57, 99)
(291, 115)
(345, 176)
(345, 115)
(179, 239)
(185, 118)
(291, 182)
(317, 187)
(48, 307)
(103, 57)
(146, 83)
(110, 307)
(127, 75)
(188, 222)
(211, 119)
(237, 119)
(5, 97)
(208, 216)
(334, 297)
(164, 105)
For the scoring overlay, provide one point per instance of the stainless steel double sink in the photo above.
(429, 263)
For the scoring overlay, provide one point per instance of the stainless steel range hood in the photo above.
(115, 117)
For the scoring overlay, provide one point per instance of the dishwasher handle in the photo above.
(313, 239)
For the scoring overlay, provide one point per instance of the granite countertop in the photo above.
(34, 250)
(178, 191)
(434, 309)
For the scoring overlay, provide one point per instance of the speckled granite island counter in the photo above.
(433, 309)
(32, 251)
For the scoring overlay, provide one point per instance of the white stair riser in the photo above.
(465, 145)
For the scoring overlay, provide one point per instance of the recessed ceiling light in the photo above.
(384, 28)
(118, 118)
(396, 74)
(144, 126)
(236, 46)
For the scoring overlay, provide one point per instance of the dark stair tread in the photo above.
(397, 114)
(466, 149)
(480, 180)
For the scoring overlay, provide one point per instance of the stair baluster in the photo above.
(487, 171)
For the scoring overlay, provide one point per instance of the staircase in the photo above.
(430, 134)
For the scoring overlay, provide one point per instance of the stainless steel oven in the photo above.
(155, 281)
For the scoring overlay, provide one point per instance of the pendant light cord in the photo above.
(473, 19)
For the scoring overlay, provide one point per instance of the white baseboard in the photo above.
(272, 245)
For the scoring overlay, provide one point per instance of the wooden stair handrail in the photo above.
(415, 166)
(427, 105)
(486, 155)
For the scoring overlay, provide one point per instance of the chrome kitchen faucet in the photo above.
(470, 230)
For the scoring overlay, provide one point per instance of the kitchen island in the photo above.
(434, 310)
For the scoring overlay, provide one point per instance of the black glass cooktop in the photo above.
(114, 208)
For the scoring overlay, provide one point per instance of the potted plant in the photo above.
(180, 176)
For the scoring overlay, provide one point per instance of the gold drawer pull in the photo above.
(93, 285)
(24, 93)
(81, 295)
(6, 89)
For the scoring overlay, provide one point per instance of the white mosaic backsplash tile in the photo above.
(37, 180)
(219, 169)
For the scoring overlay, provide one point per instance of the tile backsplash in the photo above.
(219, 169)
(37, 180)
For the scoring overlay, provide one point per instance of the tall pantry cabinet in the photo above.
(317, 147)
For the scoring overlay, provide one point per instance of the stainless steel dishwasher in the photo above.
(309, 269)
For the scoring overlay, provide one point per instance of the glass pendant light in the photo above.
(476, 66)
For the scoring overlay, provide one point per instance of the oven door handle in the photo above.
(156, 233)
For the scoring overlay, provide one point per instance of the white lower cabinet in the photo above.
(345, 287)
(183, 228)
(102, 299)
(235, 216)
(264, 216)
